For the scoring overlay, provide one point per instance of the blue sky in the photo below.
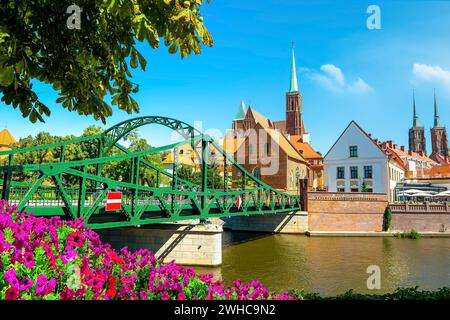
(345, 70)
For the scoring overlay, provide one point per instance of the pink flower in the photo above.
(12, 293)
(181, 296)
(76, 239)
(28, 260)
(67, 294)
(164, 295)
(25, 284)
(143, 294)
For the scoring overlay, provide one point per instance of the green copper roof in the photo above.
(437, 119)
(293, 85)
(241, 112)
(416, 121)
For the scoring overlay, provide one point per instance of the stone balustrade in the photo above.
(425, 207)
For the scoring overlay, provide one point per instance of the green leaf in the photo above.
(133, 60)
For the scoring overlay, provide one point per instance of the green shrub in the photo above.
(413, 234)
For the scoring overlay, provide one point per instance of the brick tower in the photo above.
(416, 133)
(294, 121)
(439, 139)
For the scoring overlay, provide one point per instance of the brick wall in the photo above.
(329, 211)
(428, 222)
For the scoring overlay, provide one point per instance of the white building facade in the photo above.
(356, 163)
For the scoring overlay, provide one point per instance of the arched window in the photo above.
(291, 179)
(257, 173)
(250, 149)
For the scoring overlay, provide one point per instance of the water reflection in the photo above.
(332, 265)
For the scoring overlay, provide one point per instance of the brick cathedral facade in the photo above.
(439, 138)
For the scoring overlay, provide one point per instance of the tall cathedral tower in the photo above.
(439, 140)
(416, 133)
(294, 121)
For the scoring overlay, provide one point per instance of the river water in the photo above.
(333, 265)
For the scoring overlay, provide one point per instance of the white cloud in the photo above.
(429, 73)
(332, 78)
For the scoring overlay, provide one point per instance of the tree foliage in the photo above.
(214, 177)
(84, 65)
(387, 217)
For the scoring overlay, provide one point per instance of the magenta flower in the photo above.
(67, 294)
(12, 293)
(76, 239)
(100, 272)
(28, 260)
(143, 294)
(164, 295)
(25, 284)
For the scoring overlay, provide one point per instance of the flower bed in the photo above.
(47, 258)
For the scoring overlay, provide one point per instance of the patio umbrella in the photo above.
(442, 195)
(412, 191)
(422, 194)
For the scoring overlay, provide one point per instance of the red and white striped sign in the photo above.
(239, 202)
(113, 201)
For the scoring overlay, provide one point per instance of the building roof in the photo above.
(259, 118)
(240, 115)
(439, 158)
(306, 149)
(440, 171)
(280, 125)
(284, 144)
(390, 155)
(6, 138)
(407, 153)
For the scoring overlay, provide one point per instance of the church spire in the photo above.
(293, 85)
(416, 121)
(241, 112)
(437, 119)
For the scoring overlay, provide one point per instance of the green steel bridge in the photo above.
(79, 189)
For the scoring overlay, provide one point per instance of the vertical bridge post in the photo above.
(7, 178)
(205, 152)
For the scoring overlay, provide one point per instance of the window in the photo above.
(291, 178)
(340, 173)
(354, 190)
(368, 172)
(354, 173)
(257, 173)
(250, 149)
(353, 151)
(341, 189)
(266, 147)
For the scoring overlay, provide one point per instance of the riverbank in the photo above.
(372, 234)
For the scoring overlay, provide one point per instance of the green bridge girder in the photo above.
(141, 204)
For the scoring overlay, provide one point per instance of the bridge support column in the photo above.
(288, 222)
(188, 244)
